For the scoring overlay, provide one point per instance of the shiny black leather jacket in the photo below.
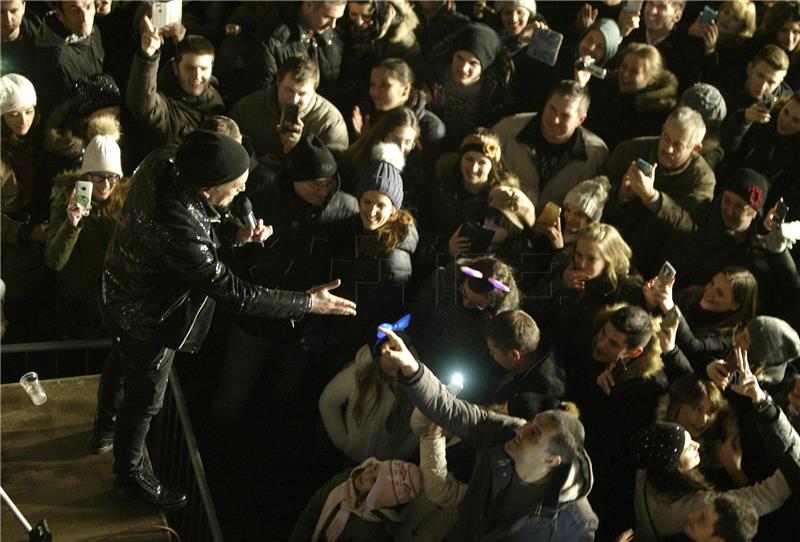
(163, 277)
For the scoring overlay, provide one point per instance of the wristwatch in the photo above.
(763, 404)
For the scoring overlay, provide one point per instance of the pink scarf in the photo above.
(398, 482)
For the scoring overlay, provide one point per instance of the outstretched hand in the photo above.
(397, 354)
(323, 302)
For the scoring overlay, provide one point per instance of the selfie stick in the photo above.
(39, 534)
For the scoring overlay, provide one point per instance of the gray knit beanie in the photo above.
(383, 174)
(707, 100)
(773, 344)
(611, 35)
(590, 196)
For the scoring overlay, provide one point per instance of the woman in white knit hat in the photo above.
(17, 168)
(24, 204)
(79, 235)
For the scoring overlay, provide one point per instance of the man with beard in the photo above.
(160, 285)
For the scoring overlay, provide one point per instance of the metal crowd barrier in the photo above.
(172, 446)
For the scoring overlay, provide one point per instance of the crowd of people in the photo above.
(535, 262)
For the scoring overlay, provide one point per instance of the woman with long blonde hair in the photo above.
(596, 273)
(375, 420)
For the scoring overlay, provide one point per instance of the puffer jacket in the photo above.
(77, 254)
(617, 117)
(368, 436)
(376, 282)
(564, 515)
(158, 103)
(392, 35)
(162, 275)
(298, 254)
(277, 39)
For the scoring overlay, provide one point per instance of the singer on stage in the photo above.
(160, 285)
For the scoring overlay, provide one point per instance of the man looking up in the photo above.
(160, 284)
(644, 206)
(172, 105)
(530, 480)
(550, 152)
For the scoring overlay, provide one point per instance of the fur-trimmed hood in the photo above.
(662, 95)
(648, 364)
(396, 20)
(65, 182)
(63, 137)
(389, 153)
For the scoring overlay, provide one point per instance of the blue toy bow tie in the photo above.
(400, 325)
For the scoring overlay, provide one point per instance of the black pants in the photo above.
(132, 387)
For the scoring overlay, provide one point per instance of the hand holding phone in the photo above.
(550, 213)
(290, 116)
(591, 66)
(166, 13)
(708, 15)
(780, 213)
(644, 166)
(665, 276)
(671, 317)
(479, 237)
(768, 100)
(83, 196)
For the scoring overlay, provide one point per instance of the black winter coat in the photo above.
(298, 254)
(163, 276)
(275, 40)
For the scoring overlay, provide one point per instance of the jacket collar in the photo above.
(531, 135)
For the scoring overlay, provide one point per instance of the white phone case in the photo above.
(166, 12)
(83, 196)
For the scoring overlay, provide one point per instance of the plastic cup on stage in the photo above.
(30, 381)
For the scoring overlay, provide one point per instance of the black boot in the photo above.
(143, 485)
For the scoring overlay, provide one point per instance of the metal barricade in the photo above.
(171, 446)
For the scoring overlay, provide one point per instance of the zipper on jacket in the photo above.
(172, 308)
(194, 320)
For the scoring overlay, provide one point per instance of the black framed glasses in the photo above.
(111, 179)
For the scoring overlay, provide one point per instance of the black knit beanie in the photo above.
(207, 158)
(96, 92)
(310, 159)
(481, 41)
(658, 448)
(749, 185)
